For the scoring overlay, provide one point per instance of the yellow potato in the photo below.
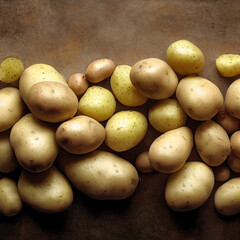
(234, 163)
(143, 164)
(123, 88)
(185, 57)
(125, 130)
(228, 65)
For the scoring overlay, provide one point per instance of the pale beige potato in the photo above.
(34, 143)
(8, 162)
(143, 164)
(123, 89)
(222, 173)
(200, 98)
(78, 83)
(97, 102)
(99, 70)
(169, 152)
(10, 201)
(227, 197)
(12, 107)
(234, 163)
(190, 187)
(52, 101)
(212, 143)
(228, 65)
(235, 143)
(38, 73)
(80, 135)
(185, 57)
(154, 78)
(48, 192)
(100, 175)
(125, 130)
(166, 114)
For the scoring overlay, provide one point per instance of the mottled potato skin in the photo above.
(212, 143)
(190, 187)
(80, 135)
(12, 107)
(143, 164)
(100, 175)
(227, 197)
(48, 192)
(10, 201)
(200, 98)
(154, 78)
(52, 101)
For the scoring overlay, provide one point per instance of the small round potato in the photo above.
(227, 197)
(235, 143)
(12, 107)
(122, 86)
(169, 152)
(98, 103)
(200, 98)
(234, 163)
(99, 70)
(80, 135)
(154, 78)
(10, 201)
(125, 130)
(166, 114)
(48, 192)
(212, 143)
(143, 164)
(222, 173)
(185, 57)
(190, 187)
(78, 83)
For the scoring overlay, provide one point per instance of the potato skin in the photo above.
(143, 164)
(154, 78)
(222, 173)
(235, 143)
(78, 83)
(80, 135)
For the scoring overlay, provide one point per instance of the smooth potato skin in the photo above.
(78, 83)
(80, 135)
(234, 163)
(235, 143)
(143, 164)
(222, 173)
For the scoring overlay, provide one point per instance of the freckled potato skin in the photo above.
(125, 129)
(100, 175)
(80, 135)
(10, 201)
(212, 143)
(200, 98)
(190, 187)
(48, 192)
(34, 143)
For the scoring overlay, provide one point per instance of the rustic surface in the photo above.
(71, 34)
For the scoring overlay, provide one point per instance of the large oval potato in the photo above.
(12, 107)
(100, 174)
(34, 143)
(80, 135)
(200, 98)
(154, 78)
(190, 187)
(48, 192)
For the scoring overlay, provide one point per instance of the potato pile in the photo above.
(52, 129)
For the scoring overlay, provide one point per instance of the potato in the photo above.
(80, 135)
(154, 78)
(169, 152)
(78, 83)
(8, 161)
(199, 98)
(235, 143)
(123, 88)
(222, 173)
(234, 163)
(10, 201)
(52, 101)
(190, 187)
(228, 65)
(100, 175)
(143, 164)
(98, 103)
(38, 73)
(125, 130)
(166, 114)
(232, 100)
(185, 57)
(34, 143)
(227, 197)
(48, 192)
(12, 107)
(99, 70)
(212, 143)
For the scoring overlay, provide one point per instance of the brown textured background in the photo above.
(70, 34)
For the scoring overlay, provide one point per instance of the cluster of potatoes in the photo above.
(53, 129)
